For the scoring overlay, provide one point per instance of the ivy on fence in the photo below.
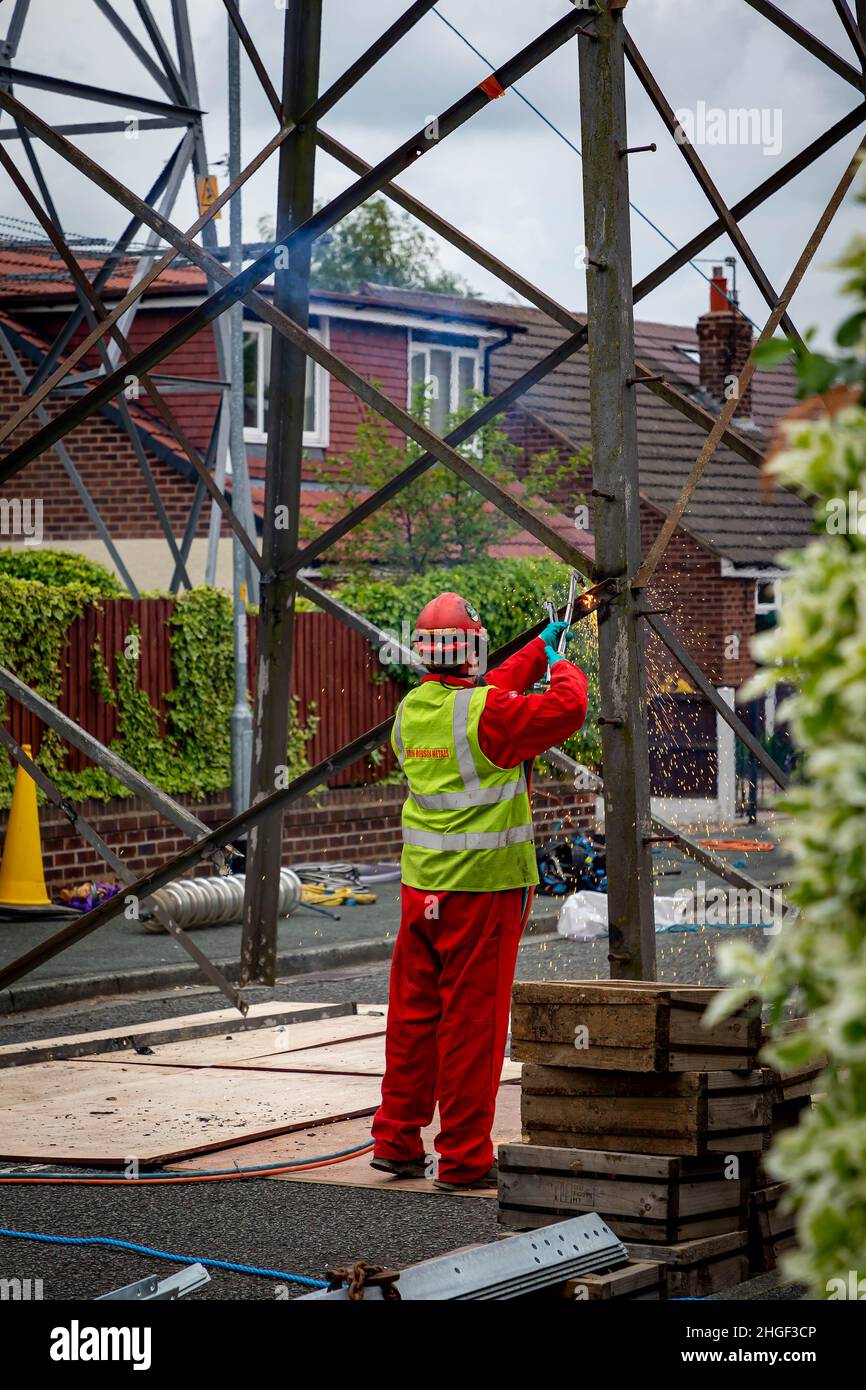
(193, 754)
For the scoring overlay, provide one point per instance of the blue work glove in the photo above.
(551, 634)
(552, 654)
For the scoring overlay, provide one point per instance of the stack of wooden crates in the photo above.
(633, 1109)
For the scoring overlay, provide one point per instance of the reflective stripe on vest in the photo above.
(479, 839)
(475, 794)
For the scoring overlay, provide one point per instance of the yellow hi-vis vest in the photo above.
(467, 824)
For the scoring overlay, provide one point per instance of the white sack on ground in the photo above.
(584, 915)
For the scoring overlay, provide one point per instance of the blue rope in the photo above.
(107, 1241)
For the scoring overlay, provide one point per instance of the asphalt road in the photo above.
(123, 946)
(683, 957)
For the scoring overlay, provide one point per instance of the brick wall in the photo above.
(380, 353)
(107, 463)
(357, 824)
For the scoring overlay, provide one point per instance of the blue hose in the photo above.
(164, 1255)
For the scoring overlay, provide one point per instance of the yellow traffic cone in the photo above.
(22, 877)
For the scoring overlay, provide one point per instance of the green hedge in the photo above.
(509, 595)
(60, 569)
(194, 756)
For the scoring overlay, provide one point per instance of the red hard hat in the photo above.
(449, 633)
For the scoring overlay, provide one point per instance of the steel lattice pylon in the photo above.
(619, 577)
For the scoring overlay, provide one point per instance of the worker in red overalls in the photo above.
(464, 741)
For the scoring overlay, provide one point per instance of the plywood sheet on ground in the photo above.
(304, 1145)
(361, 1057)
(103, 1113)
(232, 1048)
(211, 1023)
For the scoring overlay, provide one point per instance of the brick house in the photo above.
(720, 573)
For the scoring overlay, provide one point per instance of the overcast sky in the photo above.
(506, 178)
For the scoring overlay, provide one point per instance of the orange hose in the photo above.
(743, 845)
(192, 1177)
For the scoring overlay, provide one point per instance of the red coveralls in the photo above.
(452, 972)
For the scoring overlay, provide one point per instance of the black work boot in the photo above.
(486, 1181)
(402, 1167)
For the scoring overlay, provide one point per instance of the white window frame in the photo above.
(422, 345)
(313, 439)
(773, 605)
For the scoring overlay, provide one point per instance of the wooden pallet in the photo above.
(790, 1094)
(691, 1113)
(697, 1268)
(771, 1227)
(799, 1085)
(639, 1281)
(641, 1196)
(637, 1026)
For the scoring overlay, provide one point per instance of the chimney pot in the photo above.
(725, 341)
(719, 300)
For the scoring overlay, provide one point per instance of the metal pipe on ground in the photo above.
(218, 901)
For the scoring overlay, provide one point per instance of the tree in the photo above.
(377, 245)
(818, 962)
(436, 520)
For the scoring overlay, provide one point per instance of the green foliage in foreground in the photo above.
(818, 961)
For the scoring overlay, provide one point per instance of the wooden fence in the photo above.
(335, 670)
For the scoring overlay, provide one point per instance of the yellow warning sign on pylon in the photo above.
(208, 192)
(22, 877)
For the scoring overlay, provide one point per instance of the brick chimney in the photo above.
(725, 341)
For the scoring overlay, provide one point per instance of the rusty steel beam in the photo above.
(625, 752)
(103, 757)
(91, 305)
(122, 869)
(708, 187)
(106, 270)
(708, 690)
(281, 517)
(809, 41)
